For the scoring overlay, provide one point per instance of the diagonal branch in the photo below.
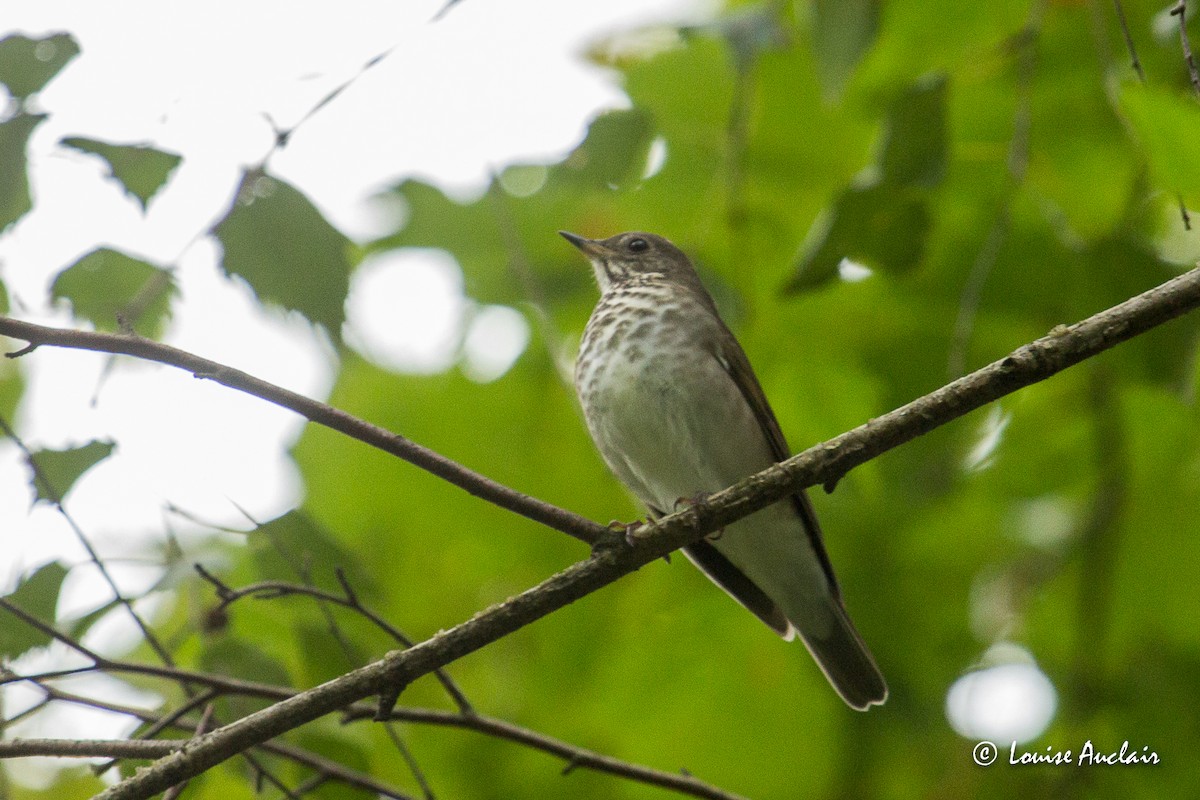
(613, 558)
(321, 413)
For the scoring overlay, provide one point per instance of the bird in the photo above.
(677, 413)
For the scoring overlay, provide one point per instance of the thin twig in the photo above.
(1134, 61)
(56, 499)
(274, 589)
(1180, 10)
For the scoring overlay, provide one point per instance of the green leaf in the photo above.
(26, 65)
(914, 150)
(140, 169)
(14, 179)
(481, 234)
(1165, 125)
(614, 152)
(55, 471)
(36, 595)
(277, 240)
(80, 626)
(750, 31)
(116, 292)
(843, 31)
(238, 658)
(12, 386)
(883, 227)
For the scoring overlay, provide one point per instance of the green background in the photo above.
(1001, 169)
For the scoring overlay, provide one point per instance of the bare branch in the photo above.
(450, 471)
(615, 557)
(90, 748)
(1134, 61)
(1180, 10)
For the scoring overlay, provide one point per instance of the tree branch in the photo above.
(323, 414)
(826, 462)
(90, 748)
(575, 757)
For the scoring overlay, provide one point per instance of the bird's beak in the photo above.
(589, 247)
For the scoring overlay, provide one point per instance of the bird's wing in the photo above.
(733, 360)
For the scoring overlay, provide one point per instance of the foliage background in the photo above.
(1001, 169)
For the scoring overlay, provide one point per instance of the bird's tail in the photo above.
(842, 655)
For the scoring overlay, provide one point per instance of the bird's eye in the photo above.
(638, 245)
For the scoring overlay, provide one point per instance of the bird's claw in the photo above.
(698, 499)
(630, 532)
(627, 530)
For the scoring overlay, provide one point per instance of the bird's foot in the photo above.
(628, 530)
(631, 532)
(699, 499)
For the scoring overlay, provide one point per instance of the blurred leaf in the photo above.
(482, 234)
(1165, 125)
(1167, 356)
(614, 151)
(140, 169)
(277, 240)
(295, 548)
(883, 227)
(884, 223)
(80, 627)
(235, 657)
(14, 180)
(342, 747)
(36, 595)
(914, 150)
(12, 386)
(324, 656)
(751, 30)
(70, 783)
(27, 65)
(843, 31)
(116, 292)
(55, 471)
